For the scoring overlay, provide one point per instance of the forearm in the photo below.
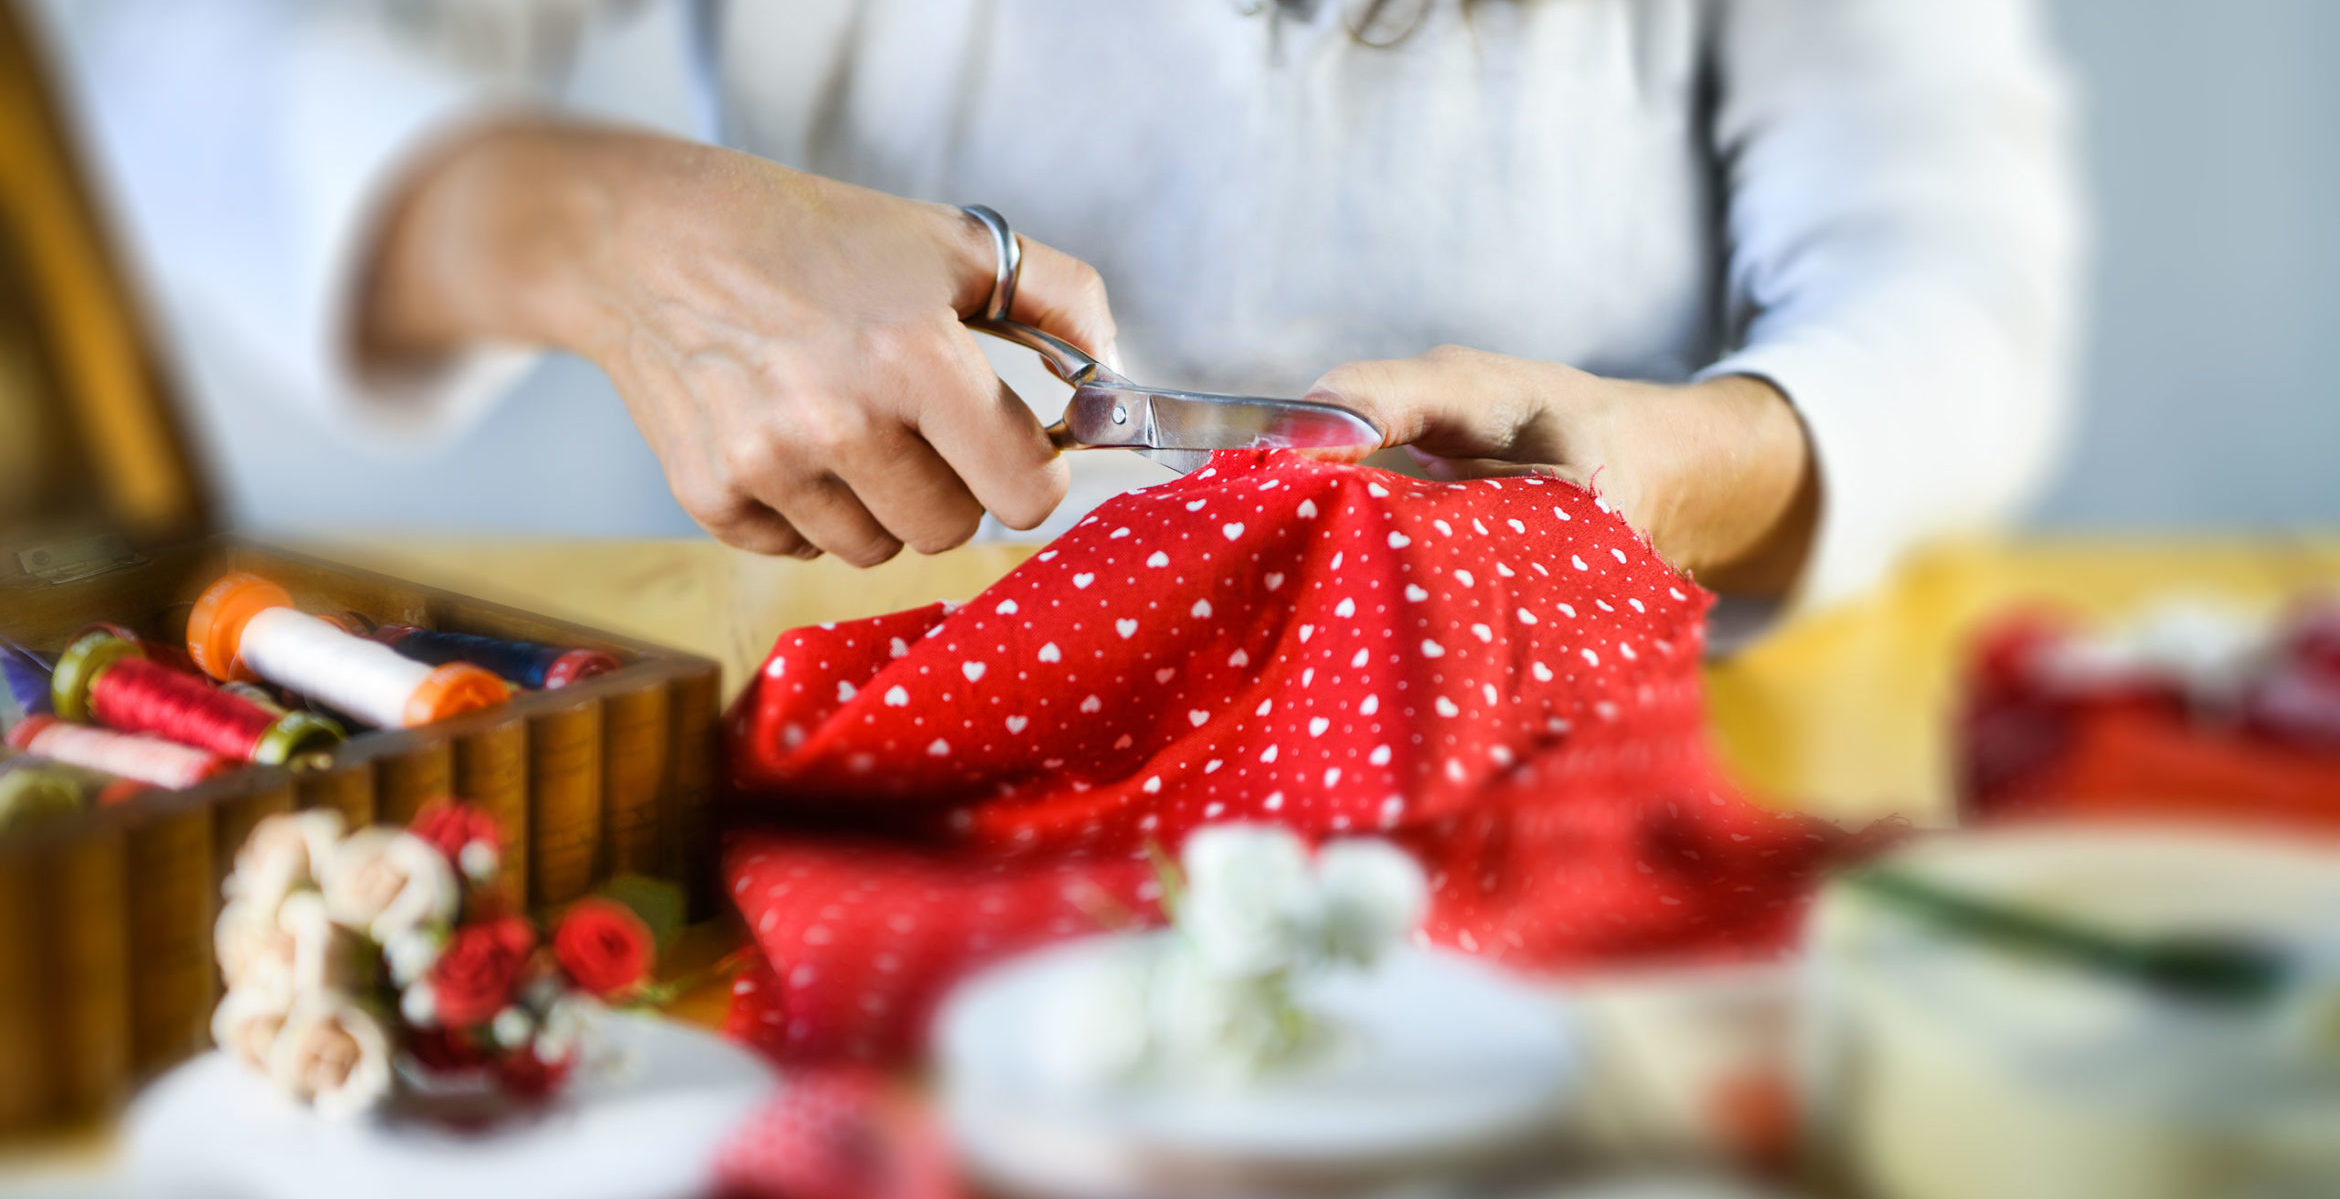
(496, 238)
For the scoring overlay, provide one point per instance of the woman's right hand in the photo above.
(790, 346)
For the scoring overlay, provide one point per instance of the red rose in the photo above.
(444, 1050)
(465, 834)
(473, 978)
(604, 947)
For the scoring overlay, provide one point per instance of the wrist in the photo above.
(1742, 492)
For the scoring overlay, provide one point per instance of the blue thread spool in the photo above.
(538, 667)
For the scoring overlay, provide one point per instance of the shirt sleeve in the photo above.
(1905, 244)
(250, 147)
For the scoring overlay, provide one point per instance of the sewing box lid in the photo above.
(94, 462)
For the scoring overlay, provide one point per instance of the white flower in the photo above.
(419, 1005)
(325, 955)
(255, 953)
(332, 1054)
(568, 1028)
(389, 882)
(1373, 894)
(479, 861)
(283, 853)
(1250, 902)
(1213, 1028)
(411, 954)
(245, 1025)
(512, 1027)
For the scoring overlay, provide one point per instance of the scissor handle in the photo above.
(1070, 362)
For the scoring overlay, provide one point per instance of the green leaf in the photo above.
(657, 902)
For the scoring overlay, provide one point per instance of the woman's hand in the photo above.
(789, 346)
(1718, 474)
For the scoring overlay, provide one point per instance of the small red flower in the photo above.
(604, 947)
(444, 1050)
(473, 979)
(465, 834)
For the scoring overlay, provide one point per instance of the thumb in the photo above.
(1450, 402)
(1063, 295)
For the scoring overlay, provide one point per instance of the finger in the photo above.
(826, 511)
(1061, 294)
(1448, 470)
(763, 531)
(743, 523)
(990, 439)
(1451, 403)
(915, 495)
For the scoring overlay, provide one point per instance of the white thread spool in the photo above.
(246, 625)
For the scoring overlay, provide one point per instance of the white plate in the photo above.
(213, 1127)
(1449, 1063)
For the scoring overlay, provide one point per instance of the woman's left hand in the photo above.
(1719, 474)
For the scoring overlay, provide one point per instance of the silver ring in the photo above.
(1010, 260)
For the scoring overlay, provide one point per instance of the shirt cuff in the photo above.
(1862, 524)
(368, 114)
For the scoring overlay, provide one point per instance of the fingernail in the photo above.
(1111, 357)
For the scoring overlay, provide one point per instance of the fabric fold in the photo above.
(1499, 675)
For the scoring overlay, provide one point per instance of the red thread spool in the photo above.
(106, 677)
(127, 755)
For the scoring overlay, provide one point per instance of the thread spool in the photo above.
(27, 677)
(256, 695)
(31, 787)
(107, 679)
(128, 755)
(523, 663)
(33, 793)
(245, 627)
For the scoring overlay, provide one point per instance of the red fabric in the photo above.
(837, 1134)
(1498, 674)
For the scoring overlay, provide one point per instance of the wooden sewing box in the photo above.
(106, 959)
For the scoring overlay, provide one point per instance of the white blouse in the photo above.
(1868, 202)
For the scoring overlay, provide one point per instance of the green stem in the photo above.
(2211, 969)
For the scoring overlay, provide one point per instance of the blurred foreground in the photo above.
(2117, 1008)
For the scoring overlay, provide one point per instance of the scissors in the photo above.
(1178, 429)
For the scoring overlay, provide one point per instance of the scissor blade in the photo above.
(1182, 427)
(1195, 421)
(1185, 462)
